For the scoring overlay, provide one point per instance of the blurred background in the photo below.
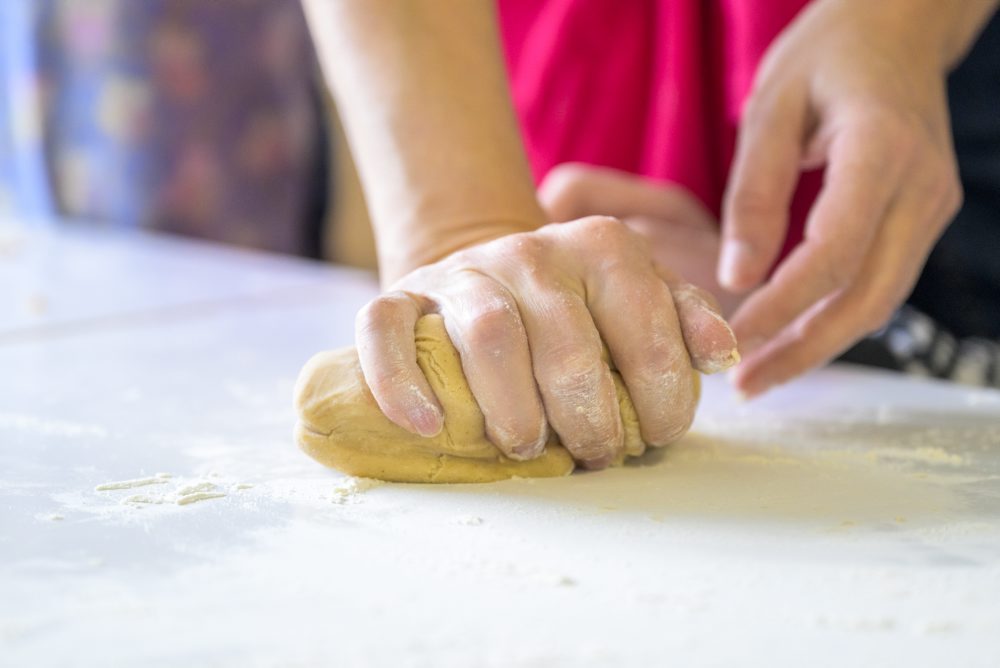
(207, 119)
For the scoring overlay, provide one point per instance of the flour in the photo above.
(470, 520)
(198, 496)
(143, 499)
(348, 491)
(184, 494)
(862, 624)
(923, 455)
(937, 626)
(197, 487)
(129, 484)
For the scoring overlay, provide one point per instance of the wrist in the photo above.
(399, 254)
(939, 33)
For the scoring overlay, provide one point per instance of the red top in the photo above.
(652, 87)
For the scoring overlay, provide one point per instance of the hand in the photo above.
(858, 87)
(527, 313)
(681, 232)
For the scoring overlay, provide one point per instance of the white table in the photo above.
(852, 518)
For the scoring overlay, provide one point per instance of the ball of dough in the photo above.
(340, 424)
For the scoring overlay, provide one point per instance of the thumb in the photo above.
(763, 179)
(575, 190)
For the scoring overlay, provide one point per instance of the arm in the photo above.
(424, 99)
(423, 94)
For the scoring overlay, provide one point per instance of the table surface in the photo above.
(851, 518)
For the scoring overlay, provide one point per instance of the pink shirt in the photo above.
(653, 87)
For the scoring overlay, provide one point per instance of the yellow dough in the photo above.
(341, 426)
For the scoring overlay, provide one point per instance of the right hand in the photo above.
(527, 313)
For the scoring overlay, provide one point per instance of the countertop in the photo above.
(849, 518)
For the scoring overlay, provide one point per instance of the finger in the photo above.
(763, 178)
(887, 276)
(862, 177)
(635, 313)
(384, 331)
(709, 339)
(483, 322)
(575, 383)
(573, 190)
(578, 393)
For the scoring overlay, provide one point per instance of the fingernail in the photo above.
(527, 451)
(734, 257)
(427, 421)
(598, 463)
(719, 362)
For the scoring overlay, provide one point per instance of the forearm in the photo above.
(421, 88)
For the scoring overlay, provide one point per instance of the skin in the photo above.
(858, 87)
(681, 232)
(423, 95)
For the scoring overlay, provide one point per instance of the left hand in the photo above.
(682, 234)
(858, 87)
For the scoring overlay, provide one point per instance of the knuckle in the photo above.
(607, 235)
(491, 326)
(659, 357)
(379, 312)
(573, 373)
(528, 254)
(601, 226)
(525, 248)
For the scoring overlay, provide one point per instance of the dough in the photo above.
(341, 426)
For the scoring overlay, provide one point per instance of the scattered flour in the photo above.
(922, 455)
(185, 494)
(348, 490)
(196, 487)
(470, 520)
(937, 626)
(129, 484)
(198, 496)
(862, 624)
(143, 499)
